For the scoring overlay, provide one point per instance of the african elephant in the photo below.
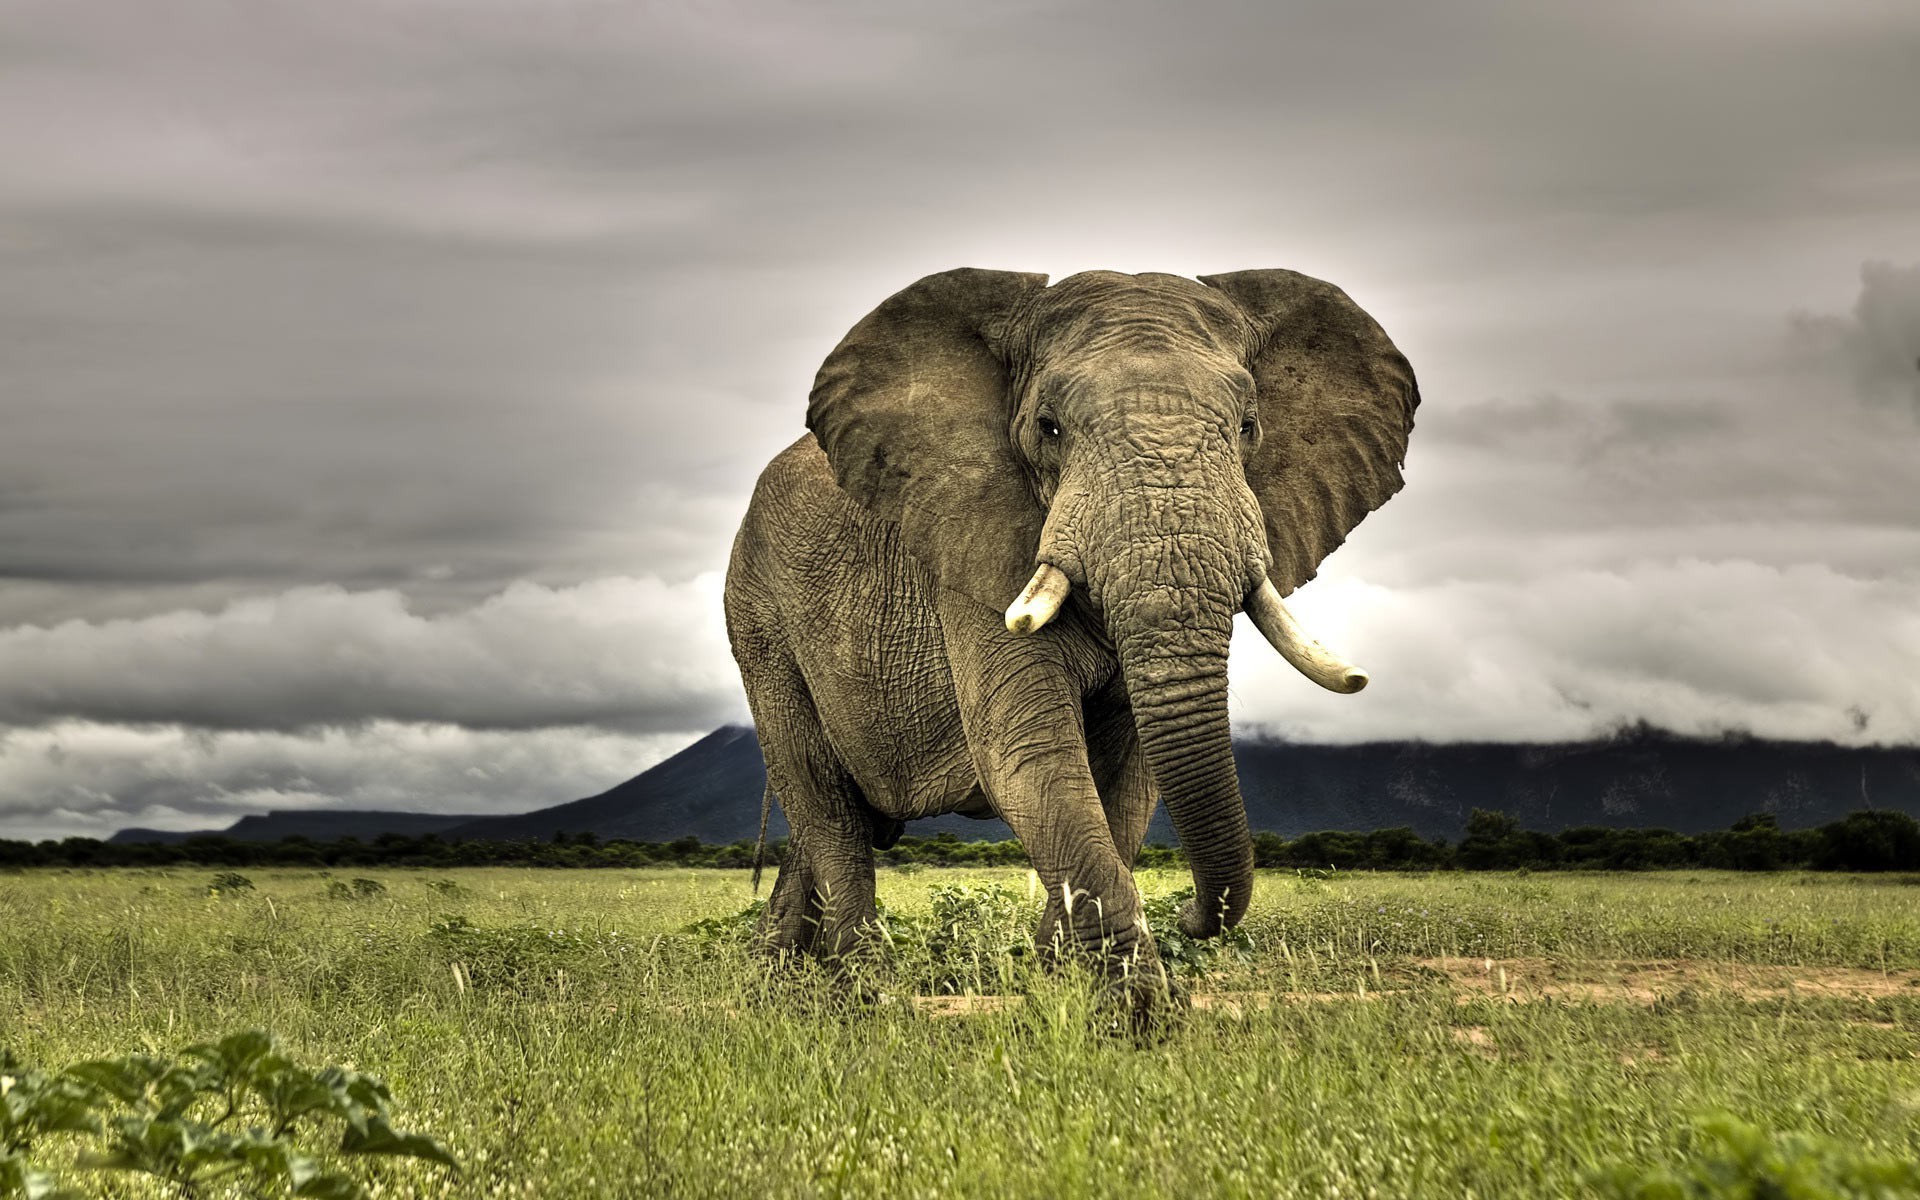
(1130, 460)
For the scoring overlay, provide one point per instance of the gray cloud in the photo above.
(363, 365)
(1691, 644)
(80, 778)
(1879, 342)
(633, 655)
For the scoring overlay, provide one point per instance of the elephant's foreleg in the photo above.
(1120, 771)
(1021, 709)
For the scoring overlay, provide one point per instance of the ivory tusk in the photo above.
(1040, 600)
(1308, 657)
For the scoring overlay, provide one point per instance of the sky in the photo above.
(381, 381)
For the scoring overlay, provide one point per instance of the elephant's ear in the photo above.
(912, 409)
(1336, 406)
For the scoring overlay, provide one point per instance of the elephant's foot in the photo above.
(786, 926)
(1148, 1004)
(808, 915)
(1143, 996)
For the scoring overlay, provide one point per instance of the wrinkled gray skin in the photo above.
(1165, 443)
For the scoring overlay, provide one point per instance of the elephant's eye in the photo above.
(1049, 427)
(1247, 427)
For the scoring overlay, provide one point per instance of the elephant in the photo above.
(998, 577)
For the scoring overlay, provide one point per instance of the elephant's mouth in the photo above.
(1039, 602)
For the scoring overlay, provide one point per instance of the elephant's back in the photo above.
(818, 582)
(800, 520)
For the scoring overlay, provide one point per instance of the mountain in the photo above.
(1639, 777)
(711, 791)
(316, 824)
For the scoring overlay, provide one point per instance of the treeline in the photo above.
(1868, 840)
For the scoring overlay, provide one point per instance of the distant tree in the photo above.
(1493, 841)
(1876, 839)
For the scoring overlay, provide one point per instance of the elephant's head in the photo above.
(1169, 452)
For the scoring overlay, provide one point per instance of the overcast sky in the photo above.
(382, 381)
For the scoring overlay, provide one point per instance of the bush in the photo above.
(1732, 1160)
(359, 889)
(222, 1112)
(730, 929)
(522, 956)
(1870, 840)
(1182, 955)
(976, 936)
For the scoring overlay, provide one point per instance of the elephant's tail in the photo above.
(760, 847)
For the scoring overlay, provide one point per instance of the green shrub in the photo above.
(1187, 956)
(986, 919)
(1733, 1160)
(1869, 840)
(518, 956)
(730, 929)
(222, 1113)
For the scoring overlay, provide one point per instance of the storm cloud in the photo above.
(1879, 342)
(633, 655)
(83, 778)
(381, 382)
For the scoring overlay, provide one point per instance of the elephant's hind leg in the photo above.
(822, 901)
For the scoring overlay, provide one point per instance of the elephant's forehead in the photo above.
(1098, 310)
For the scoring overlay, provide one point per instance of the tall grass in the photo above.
(566, 1037)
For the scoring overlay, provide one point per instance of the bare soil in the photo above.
(1525, 980)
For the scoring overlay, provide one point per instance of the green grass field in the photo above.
(1390, 1035)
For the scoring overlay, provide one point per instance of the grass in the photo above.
(565, 1037)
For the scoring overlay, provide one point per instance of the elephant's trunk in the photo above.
(1177, 682)
(1169, 601)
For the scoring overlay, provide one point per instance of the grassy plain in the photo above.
(1391, 1035)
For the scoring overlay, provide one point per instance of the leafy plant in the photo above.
(986, 920)
(518, 955)
(729, 928)
(223, 1112)
(1183, 955)
(1734, 1160)
(34, 1104)
(229, 881)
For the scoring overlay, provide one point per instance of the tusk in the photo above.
(1308, 657)
(1040, 600)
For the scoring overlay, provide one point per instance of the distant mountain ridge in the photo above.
(1641, 777)
(318, 824)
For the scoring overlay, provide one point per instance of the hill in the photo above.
(316, 824)
(1641, 777)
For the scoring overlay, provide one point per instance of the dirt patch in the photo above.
(962, 1006)
(1477, 1039)
(1523, 979)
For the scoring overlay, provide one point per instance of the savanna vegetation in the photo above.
(1868, 840)
(609, 1033)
